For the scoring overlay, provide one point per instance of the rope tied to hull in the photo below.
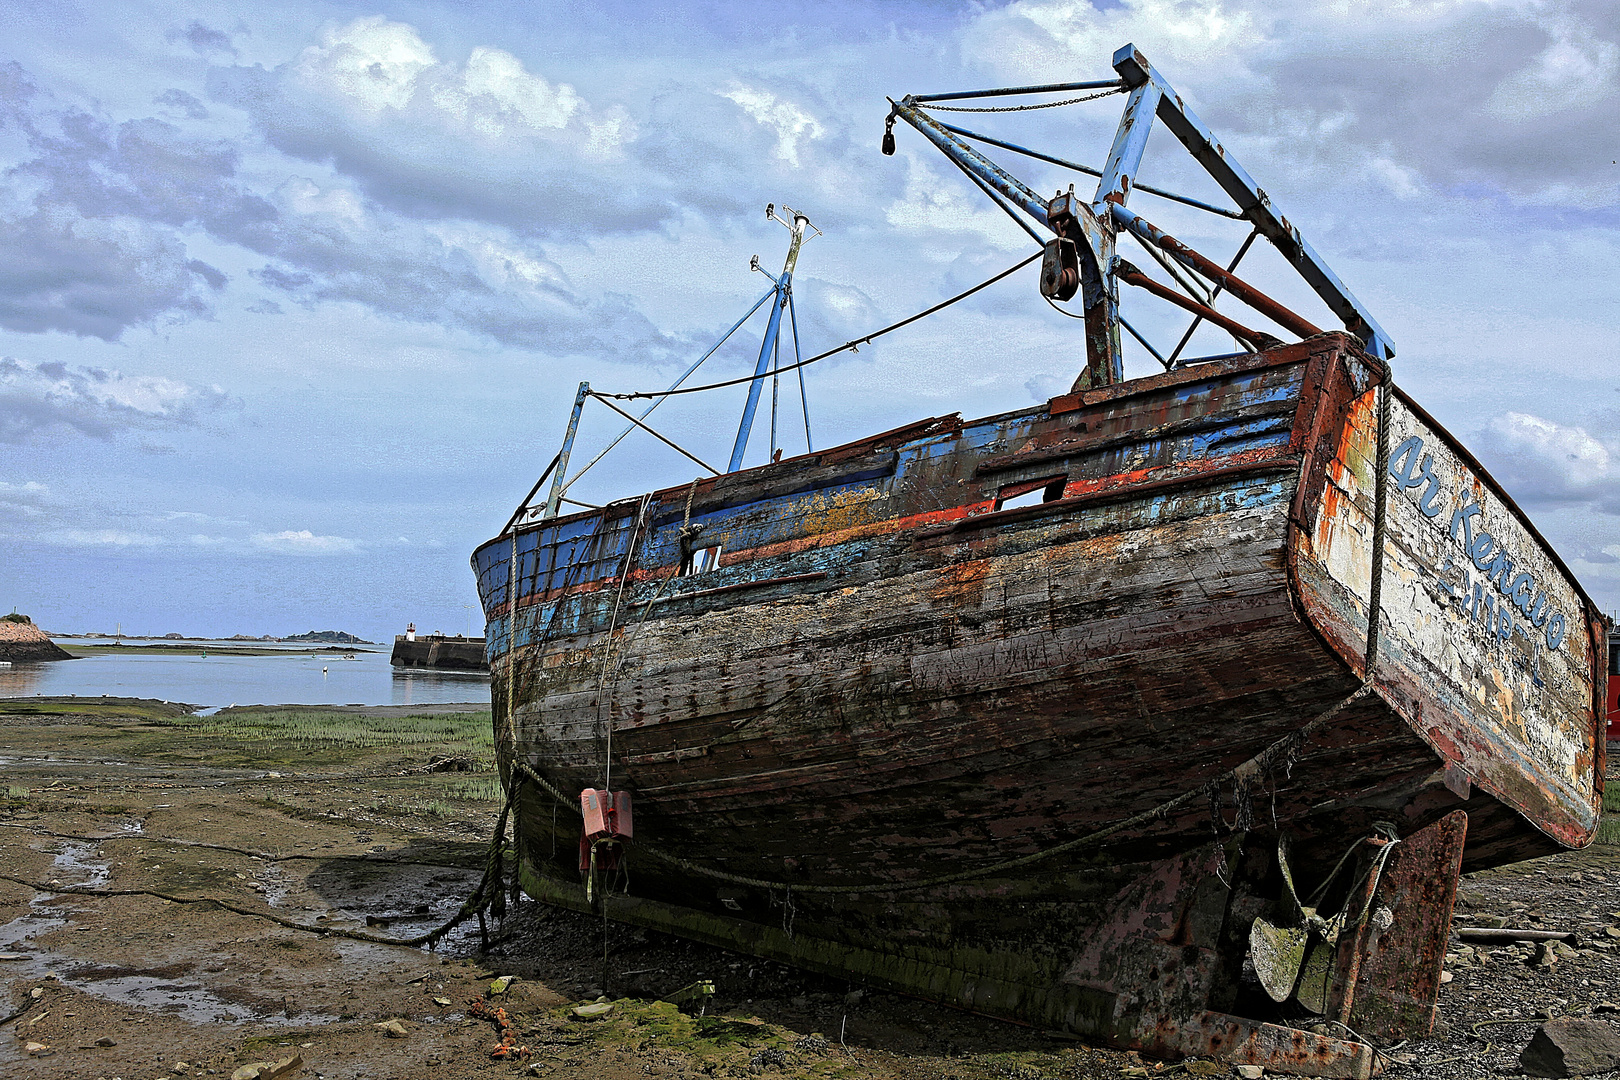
(1283, 752)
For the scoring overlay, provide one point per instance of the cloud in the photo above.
(95, 401)
(203, 39)
(93, 244)
(28, 499)
(487, 139)
(186, 105)
(329, 245)
(105, 538)
(88, 240)
(935, 204)
(1543, 462)
(789, 121)
(304, 542)
(1522, 99)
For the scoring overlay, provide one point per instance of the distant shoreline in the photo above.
(158, 646)
(324, 637)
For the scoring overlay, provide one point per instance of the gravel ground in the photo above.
(135, 988)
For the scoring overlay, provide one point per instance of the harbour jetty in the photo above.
(438, 652)
(21, 642)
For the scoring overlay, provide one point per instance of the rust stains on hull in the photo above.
(893, 676)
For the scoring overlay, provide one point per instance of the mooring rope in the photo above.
(1285, 749)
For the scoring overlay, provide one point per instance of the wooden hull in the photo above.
(889, 680)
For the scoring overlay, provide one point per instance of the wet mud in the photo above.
(334, 834)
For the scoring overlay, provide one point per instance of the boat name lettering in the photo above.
(1412, 470)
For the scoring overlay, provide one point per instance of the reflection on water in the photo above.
(292, 676)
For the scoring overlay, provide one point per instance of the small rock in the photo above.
(36, 1049)
(1563, 950)
(1612, 930)
(105, 1041)
(1544, 955)
(269, 1069)
(441, 1001)
(498, 986)
(1250, 1072)
(1572, 1048)
(1445, 977)
(393, 1029)
(594, 1011)
(37, 992)
(288, 1066)
(1200, 1067)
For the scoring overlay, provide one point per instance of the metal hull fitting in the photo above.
(896, 686)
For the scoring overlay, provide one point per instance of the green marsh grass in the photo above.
(320, 728)
(1609, 828)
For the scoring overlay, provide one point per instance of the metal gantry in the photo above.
(1081, 255)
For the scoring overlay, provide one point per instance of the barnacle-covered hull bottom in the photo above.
(901, 683)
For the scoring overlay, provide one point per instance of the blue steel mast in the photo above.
(767, 348)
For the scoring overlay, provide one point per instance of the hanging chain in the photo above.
(1017, 108)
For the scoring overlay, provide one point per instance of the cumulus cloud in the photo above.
(1522, 98)
(93, 243)
(304, 542)
(95, 401)
(487, 139)
(789, 121)
(88, 241)
(1543, 462)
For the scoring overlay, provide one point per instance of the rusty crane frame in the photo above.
(1081, 254)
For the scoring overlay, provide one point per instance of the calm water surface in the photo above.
(293, 676)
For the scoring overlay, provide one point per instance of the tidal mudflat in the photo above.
(377, 820)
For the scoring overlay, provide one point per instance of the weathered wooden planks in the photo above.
(891, 677)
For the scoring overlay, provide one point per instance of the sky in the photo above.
(294, 298)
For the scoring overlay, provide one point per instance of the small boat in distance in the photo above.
(1165, 712)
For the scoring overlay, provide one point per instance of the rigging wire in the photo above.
(684, 375)
(1235, 215)
(1017, 108)
(804, 400)
(851, 345)
(995, 196)
(1230, 268)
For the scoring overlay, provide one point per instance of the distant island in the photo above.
(323, 637)
(331, 637)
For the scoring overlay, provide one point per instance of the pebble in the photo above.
(393, 1029)
(1250, 1072)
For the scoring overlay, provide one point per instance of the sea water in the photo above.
(290, 676)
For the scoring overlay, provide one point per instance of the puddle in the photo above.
(81, 863)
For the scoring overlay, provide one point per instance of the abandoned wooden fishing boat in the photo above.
(1164, 713)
